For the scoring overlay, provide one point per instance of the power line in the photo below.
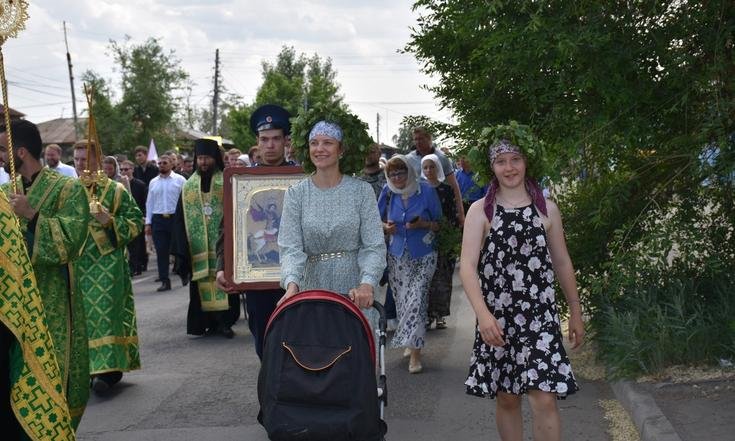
(24, 72)
(31, 83)
(45, 105)
(27, 45)
(37, 91)
(238, 85)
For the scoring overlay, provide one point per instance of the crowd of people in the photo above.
(85, 235)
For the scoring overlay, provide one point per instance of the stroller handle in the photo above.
(382, 321)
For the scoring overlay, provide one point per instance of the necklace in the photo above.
(522, 202)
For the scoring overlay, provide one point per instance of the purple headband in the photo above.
(532, 186)
(500, 147)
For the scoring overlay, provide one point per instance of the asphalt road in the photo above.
(204, 388)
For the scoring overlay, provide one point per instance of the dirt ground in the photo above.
(699, 401)
(699, 408)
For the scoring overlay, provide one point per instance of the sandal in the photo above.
(441, 323)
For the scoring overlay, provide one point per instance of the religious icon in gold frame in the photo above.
(253, 205)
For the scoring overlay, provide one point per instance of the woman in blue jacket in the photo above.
(410, 211)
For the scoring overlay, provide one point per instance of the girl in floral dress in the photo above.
(513, 245)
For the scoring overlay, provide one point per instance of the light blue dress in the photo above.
(316, 222)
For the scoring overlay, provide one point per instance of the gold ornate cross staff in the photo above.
(92, 175)
(13, 16)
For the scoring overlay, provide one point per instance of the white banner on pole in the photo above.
(152, 153)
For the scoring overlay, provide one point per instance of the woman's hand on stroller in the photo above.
(291, 291)
(362, 296)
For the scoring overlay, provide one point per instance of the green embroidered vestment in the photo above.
(37, 395)
(103, 276)
(202, 215)
(54, 243)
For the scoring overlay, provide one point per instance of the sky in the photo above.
(362, 37)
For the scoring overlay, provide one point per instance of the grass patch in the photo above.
(679, 322)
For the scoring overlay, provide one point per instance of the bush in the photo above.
(669, 298)
(449, 239)
(654, 327)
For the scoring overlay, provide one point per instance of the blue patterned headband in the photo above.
(500, 147)
(326, 128)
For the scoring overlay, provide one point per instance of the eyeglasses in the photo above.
(125, 168)
(397, 174)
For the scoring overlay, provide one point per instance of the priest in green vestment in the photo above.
(103, 273)
(196, 226)
(33, 405)
(53, 214)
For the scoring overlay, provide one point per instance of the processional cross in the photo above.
(13, 16)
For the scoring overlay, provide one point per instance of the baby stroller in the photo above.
(317, 379)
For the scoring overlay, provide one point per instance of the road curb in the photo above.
(650, 421)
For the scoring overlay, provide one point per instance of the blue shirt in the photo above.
(425, 204)
(468, 187)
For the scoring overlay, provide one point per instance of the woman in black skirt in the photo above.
(440, 289)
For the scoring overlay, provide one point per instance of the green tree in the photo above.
(624, 94)
(200, 118)
(635, 104)
(151, 78)
(238, 119)
(321, 84)
(283, 81)
(294, 81)
(114, 126)
(404, 139)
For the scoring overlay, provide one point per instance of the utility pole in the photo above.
(215, 101)
(71, 82)
(377, 128)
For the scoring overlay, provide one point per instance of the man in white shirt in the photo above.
(52, 155)
(163, 195)
(4, 176)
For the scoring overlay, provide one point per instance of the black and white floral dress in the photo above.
(516, 278)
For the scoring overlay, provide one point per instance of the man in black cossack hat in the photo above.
(272, 127)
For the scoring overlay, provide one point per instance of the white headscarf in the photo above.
(245, 159)
(437, 165)
(412, 182)
(117, 176)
